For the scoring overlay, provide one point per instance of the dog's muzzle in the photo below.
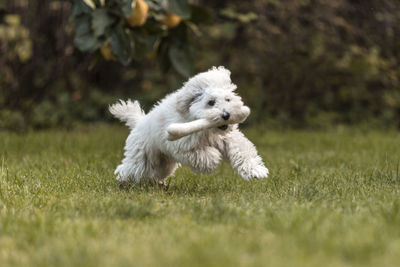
(223, 127)
(225, 115)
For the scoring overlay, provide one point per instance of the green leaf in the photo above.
(101, 20)
(144, 43)
(122, 45)
(180, 8)
(181, 59)
(126, 7)
(156, 5)
(84, 38)
(79, 7)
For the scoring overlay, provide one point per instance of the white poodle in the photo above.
(196, 126)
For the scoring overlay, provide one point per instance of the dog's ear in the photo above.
(185, 99)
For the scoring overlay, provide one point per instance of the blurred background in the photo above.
(297, 63)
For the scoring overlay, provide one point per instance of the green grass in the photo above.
(332, 199)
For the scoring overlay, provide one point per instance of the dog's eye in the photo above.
(227, 99)
(211, 103)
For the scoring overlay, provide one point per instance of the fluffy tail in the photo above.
(128, 112)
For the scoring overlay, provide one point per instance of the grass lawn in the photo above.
(332, 199)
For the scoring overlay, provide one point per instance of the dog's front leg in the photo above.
(204, 159)
(243, 156)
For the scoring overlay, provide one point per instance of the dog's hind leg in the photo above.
(145, 165)
(134, 167)
(164, 167)
(128, 172)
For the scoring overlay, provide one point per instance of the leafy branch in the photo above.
(126, 30)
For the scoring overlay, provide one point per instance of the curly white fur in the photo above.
(196, 126)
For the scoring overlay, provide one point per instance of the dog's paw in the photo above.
(259, 172)
(254, 172)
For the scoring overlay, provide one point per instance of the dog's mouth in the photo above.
(223, 127)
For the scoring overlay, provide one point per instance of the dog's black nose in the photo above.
(226, 115)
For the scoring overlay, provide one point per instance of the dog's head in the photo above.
(210, 95)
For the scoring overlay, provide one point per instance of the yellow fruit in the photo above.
(106, 52)
(90, 3)
(139, 13)
(171, 20)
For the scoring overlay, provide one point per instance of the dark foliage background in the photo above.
(296, 63)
